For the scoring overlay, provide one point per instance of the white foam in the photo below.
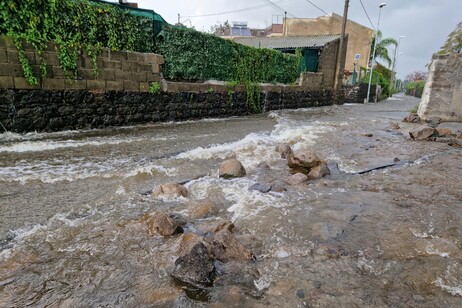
(56, 170)
(453, 290)
(452, 280)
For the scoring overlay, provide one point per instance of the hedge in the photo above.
(193, 55)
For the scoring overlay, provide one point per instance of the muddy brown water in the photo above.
(70, 205)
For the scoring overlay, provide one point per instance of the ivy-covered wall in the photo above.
(117, 70)
(75, 26)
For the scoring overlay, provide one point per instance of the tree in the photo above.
(415, 76)
(221, 29)
(381, 50)
(454, 41)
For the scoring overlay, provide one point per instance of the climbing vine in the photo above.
(76, 26)
(193, 55)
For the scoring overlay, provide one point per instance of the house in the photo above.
(359, 36)
(319, 52)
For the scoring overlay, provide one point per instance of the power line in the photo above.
(317, 7)
(234, 11)
(367, 14)
(277, 7)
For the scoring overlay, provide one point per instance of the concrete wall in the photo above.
(359, 36)
(54, 110)
(442, 96)
(117, 70)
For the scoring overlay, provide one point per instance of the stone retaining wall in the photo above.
(117, 70)
(46, 110)
(442, 95)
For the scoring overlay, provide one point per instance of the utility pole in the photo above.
(178, 18)
(341, 50)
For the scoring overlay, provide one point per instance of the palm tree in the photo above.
(381, 51)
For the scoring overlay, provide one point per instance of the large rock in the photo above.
(261, 187)
(297, 179)
(284, 150)
(196, 267)
(211, 227)
(203, 208)
(319, 171)
(303, 160)
(225, 247)
(170, 190)
(422, 134)
(231, 168)
(412, 118)
(444, 132)
(160, 223)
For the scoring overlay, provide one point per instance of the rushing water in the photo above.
(71, 203)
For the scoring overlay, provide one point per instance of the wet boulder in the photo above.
(297, 179)
(232, 168)
(203, 208)
(284, 150)
(444, 132)
(263, 166)
(196, 267)
(319, 171)
(412, 118)
(211, 227)
(225, 247)
(170, 190)
(433, 121)
(422, 134)
(303, 160)
(261, 187)
(160, 223)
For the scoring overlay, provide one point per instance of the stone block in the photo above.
(22, 83)
(152, 77)
(96, 84)
(106, 74)
(75, 84)
(9, 69)
(3, 56)
(138, 76)
(53, 84)
(143, 67)
(121, 75)
(130, 85)
(13, 56)
(114, 85)
(144, 86)
(184, 87)
(57, 72)
(135, 56)
(156, 69)
(118, 55)
(50, 58)
(6, 82)
(112, 64)
(85, 73)
(6, 42)
(151, 58)
(128, 66)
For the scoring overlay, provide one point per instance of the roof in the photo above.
(288, 42)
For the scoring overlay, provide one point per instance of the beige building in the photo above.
(359, 36)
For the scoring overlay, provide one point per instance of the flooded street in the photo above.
(71, 208)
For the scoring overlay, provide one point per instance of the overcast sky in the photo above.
(425, 23)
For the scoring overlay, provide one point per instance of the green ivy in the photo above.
(75, 26)
(193, 55)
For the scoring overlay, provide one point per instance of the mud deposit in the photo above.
(71, 208)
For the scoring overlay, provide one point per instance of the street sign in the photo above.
(357, 57)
